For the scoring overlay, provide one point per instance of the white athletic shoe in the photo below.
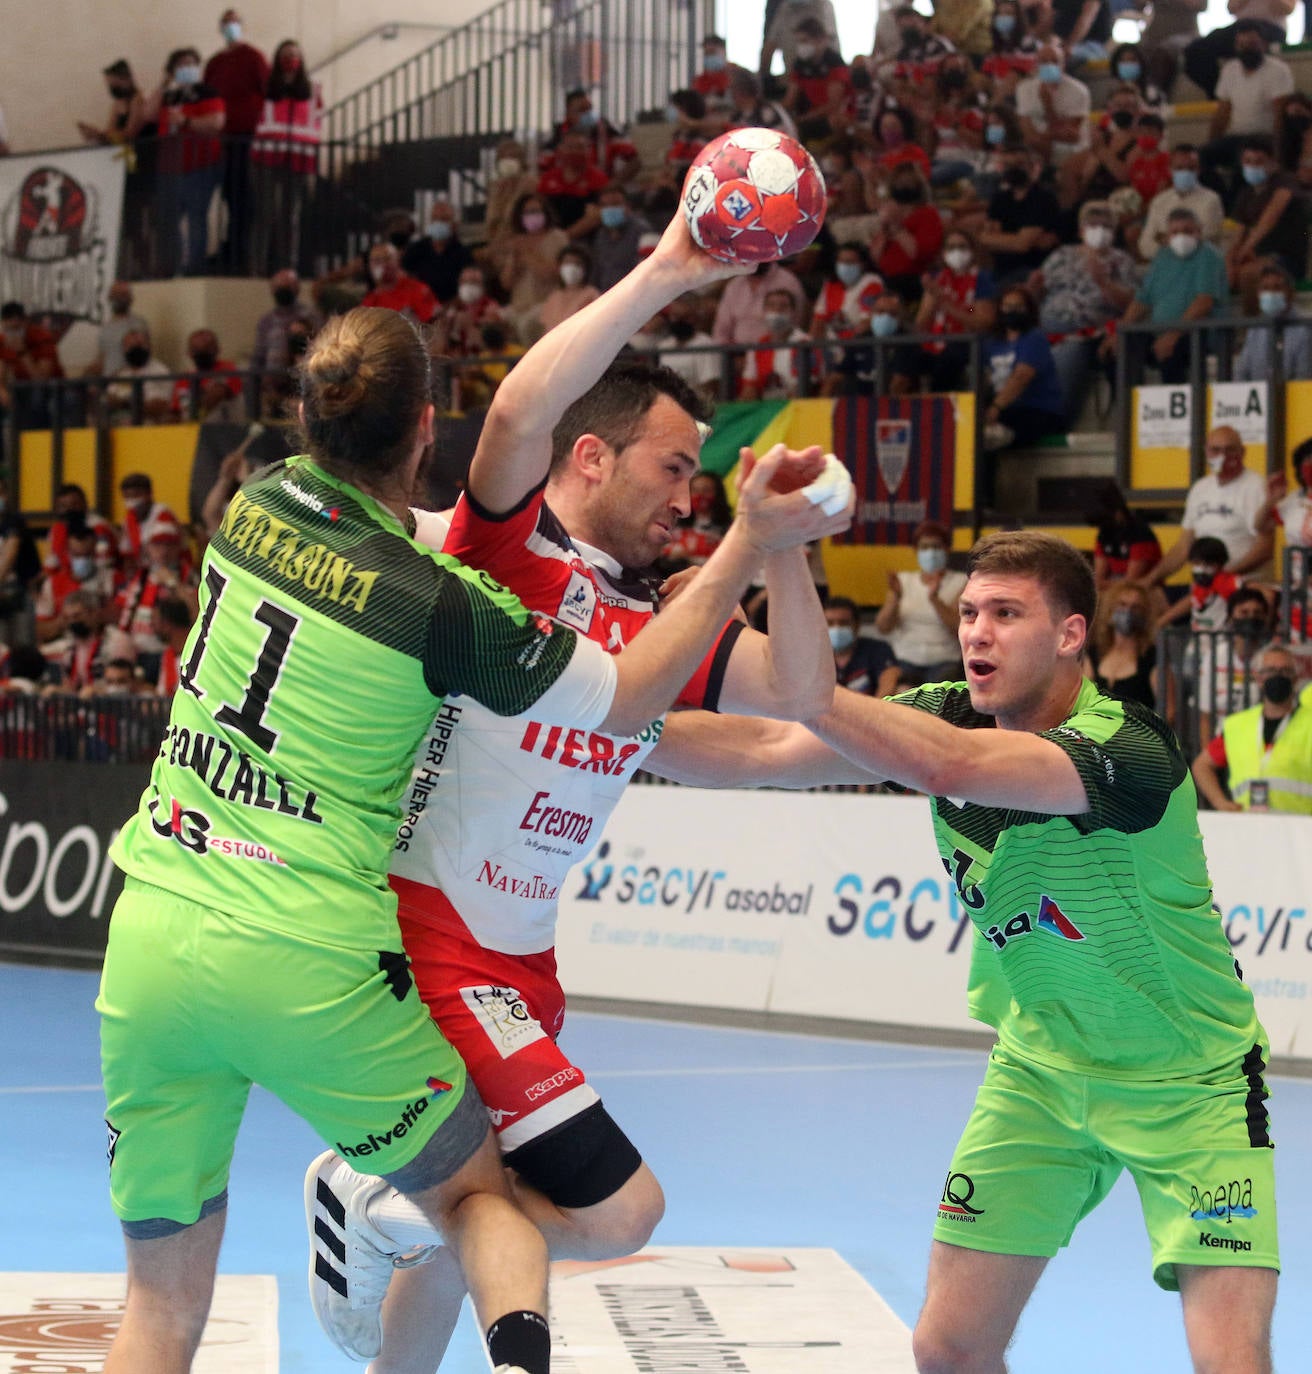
(351, 1261)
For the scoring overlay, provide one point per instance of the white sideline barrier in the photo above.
(836, 905)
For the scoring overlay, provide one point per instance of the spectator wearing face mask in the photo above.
(1258, 24)
(1294, 144)
(679, 330)
(76, 644)
(740, 314)
(920, 613)
(819, 89)
(1013, 50)
(87, 569)
(1121, 657)
(1124, 546)
(191, 117)
(854, 371)
(1224, 504)
(1186, 281)
(1081, 288)
(749, 109)
(122, 320)
(712, 82)
(1249, 92)
(527, 262)
(847, 299)
(1022, 222)
(699, 533)
(212, 391)
(775, 366)
(573, 291)
(512, 178)
(395, 289)
(28, 353)
(614, 231)
(1053, 107)
(269, 351)
(438, 257)
(1265, 752)
(859, 661)
(956, 122)
(1291, 510)
(1099, 169)
(239, 72)
(908, 233)
(1185, 192)
(284, 159)
(1227, 632)
(458, 327)
(604, 147)
(782, 18)
(1273, 216)
(960, 298)
(1026, 402)
(155, 391)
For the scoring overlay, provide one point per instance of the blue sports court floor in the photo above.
(761, 1139)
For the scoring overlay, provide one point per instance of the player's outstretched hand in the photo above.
(676, 252)
(788, 497)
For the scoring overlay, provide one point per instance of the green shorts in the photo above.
(196, 1005)
(1043, 1147)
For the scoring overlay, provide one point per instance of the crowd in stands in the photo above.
(974, 190)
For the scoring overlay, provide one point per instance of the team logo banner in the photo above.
(900, 452)
(60, 215)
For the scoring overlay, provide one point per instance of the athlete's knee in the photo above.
(623, 1222)
(940, 1351)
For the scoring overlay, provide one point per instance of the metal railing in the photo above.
(507, 70)
(70, 728)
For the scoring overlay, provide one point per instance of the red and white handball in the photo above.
(753, 195)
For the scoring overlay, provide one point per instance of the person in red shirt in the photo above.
(27, 354)
(909, 235)
(397, 290)
(284, 159)
(712, 82)
(191, 116)
(960, 298)
(571, 183)
(217, 388)
(239, 73)
(606, 147)
(1148, 163)
(819, 94)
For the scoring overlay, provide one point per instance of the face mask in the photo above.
(469, 292)
(910, 37)
(715, 62)
(1252, 58)
(284, 296)
(1122, 119)
(1183, 245)
(80, 629)
(232, 31)
(114, 689)
(534, 222)
(1049, 72)
(702, 503)
(849, 273)
(289, 64)
(204, 359)
(1126, 620)
(1128, 71)
(399, 239)
(1148, 142)
(1184, 180)
(121, 92)
(571, 273)
(136, 357)
(1248, 626)
(1254, 176)
(1098, 236)
(1271, 302)
(953, 79)
(377, 271)
(840, 638)
(1215, 462)
(957, 259)
(297, 345)
(673, 114)
(905, 195)
(994, 135)
(439, 230)
(1005, 24)
(1298, 122)
(681, 331)
(119, 306)
(83, 566)
(587, 120)
(187, 75)
(1015, 178)
(805, 52)
(1014, 319)
(932, 560)
(883, 325)
(509, 166)
(1203, 577)
(776, 324)
(613, 216)
(1278, 688)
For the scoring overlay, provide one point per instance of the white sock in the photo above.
(401, 1220)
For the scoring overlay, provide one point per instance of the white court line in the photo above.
(56, 1088)
(713, 1071)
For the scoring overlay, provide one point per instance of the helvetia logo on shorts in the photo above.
(376, 1142)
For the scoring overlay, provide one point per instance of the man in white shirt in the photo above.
(1204, 56)
(1249, 93)
(156, 394)
(1225, 504)
(1053, 107)
(1184, 193)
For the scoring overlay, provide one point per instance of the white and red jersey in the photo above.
(500, 809)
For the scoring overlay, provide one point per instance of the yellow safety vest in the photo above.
(1284, 770)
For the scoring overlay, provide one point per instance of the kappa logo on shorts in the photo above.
(505, 1018)
(954, 1205)
(498, 1116)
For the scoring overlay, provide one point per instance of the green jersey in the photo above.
(1097, 946)
(326, 641)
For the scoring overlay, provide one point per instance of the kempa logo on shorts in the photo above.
(1223, 1243)
(375, 1143)
(504, 1016)
(954, 1205)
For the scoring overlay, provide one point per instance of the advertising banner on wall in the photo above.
(57, 883)
(837, 905)
(60, 215)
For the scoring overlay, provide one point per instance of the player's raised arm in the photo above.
(514, 452)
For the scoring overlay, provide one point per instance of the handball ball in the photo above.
(753, 195)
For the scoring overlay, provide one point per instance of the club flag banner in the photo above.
(901, 452)
(60, 215)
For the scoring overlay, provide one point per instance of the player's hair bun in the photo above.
(339, 375)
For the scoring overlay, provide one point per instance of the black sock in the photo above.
(523, 1339)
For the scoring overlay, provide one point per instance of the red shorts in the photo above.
(502, 1012)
